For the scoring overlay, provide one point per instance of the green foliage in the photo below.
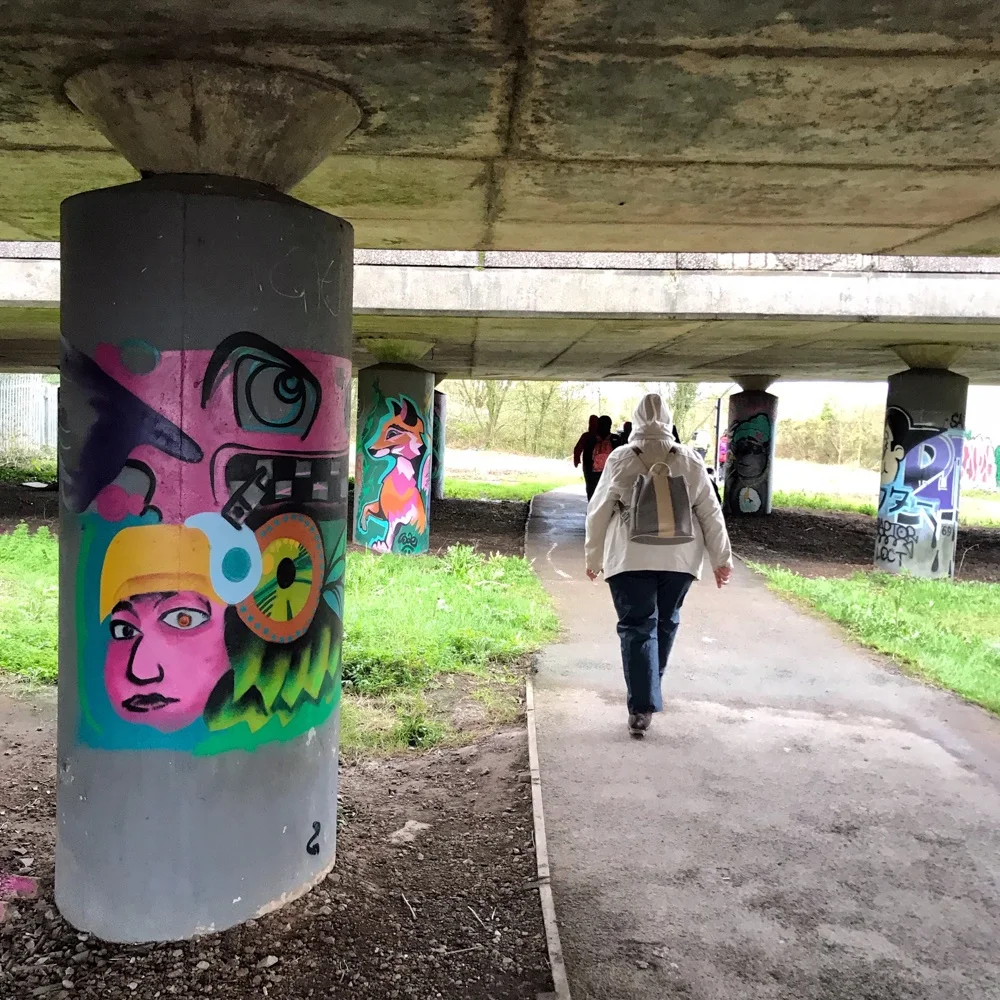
(837, 436)
(945, 632)
(409, 619)
(29, 604)
(21, 467)
(523, 490)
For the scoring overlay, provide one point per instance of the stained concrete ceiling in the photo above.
(785, 125)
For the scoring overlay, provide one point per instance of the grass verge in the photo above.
(944, 632)
(977, 509)
(823, 501)
(520, 489)
(412, 624)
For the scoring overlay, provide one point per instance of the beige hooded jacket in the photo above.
(608, 548)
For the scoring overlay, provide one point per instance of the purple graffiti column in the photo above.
(204, 460)
(922, 443)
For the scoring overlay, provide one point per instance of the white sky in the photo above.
(799, 400)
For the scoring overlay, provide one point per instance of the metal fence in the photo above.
(28, 414)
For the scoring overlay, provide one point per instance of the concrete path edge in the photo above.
(556, 962)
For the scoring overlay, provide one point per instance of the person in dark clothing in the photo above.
(582, 454)
(625, 434)
(596, 453)
(585, 438)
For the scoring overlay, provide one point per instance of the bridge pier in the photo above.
(922, 445)
(440, 443)
(753, 419)
(392, 478)
(206, 322)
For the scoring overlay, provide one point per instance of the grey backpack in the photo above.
(660, 511)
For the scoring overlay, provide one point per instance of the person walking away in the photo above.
(625, 433)
(597, 453)
(649, 582)
(586, 438)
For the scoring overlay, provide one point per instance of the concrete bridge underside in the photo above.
(793, 125)
(702, 317)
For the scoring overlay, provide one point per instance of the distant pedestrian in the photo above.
(586, 438)
(625, 433)
(650, 581)
(596, 454)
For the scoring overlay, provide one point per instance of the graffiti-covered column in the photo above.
(440, 425)
(921, 473)
(392, 477)
(753, 416)
(205, 401)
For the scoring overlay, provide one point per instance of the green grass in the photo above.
(945, 632)
(409, 621)
(823, 501)
(521, 489)
(977, 509)
(29, 604)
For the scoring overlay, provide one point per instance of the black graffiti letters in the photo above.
(894, 541)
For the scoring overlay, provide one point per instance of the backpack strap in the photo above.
(638, 454)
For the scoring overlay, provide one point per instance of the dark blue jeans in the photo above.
(648, 603)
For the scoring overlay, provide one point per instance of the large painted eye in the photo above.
(282, 605)
(123, 630)
(272, 389)
(275, 396)
(184, 619)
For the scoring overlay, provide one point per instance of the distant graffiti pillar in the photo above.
(204, 410)
(922, 445)
(753, 417)
(440, 424)
(392, 476)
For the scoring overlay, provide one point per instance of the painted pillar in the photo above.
(440, 423)
(753, 418)
(922, 446)
(392, 477)
(205, 401)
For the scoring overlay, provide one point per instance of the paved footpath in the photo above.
(802, 822)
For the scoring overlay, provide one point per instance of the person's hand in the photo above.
(722, 576)
(591, 575)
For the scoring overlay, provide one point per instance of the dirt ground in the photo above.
(469, 926)
(474, 930)
(818, 543)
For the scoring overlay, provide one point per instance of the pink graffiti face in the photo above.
(165, 656)
(251, 406)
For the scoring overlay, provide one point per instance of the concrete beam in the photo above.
(428, 290)
(626, 316)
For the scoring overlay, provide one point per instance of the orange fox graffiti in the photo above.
(400, 500)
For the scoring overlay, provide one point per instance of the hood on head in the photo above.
(652, 418)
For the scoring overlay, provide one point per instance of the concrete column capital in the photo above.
(258, 123)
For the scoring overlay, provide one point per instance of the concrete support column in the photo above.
(204, 454)
(392, 479)
(440, 424)
(921, 473)
(753, 418)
